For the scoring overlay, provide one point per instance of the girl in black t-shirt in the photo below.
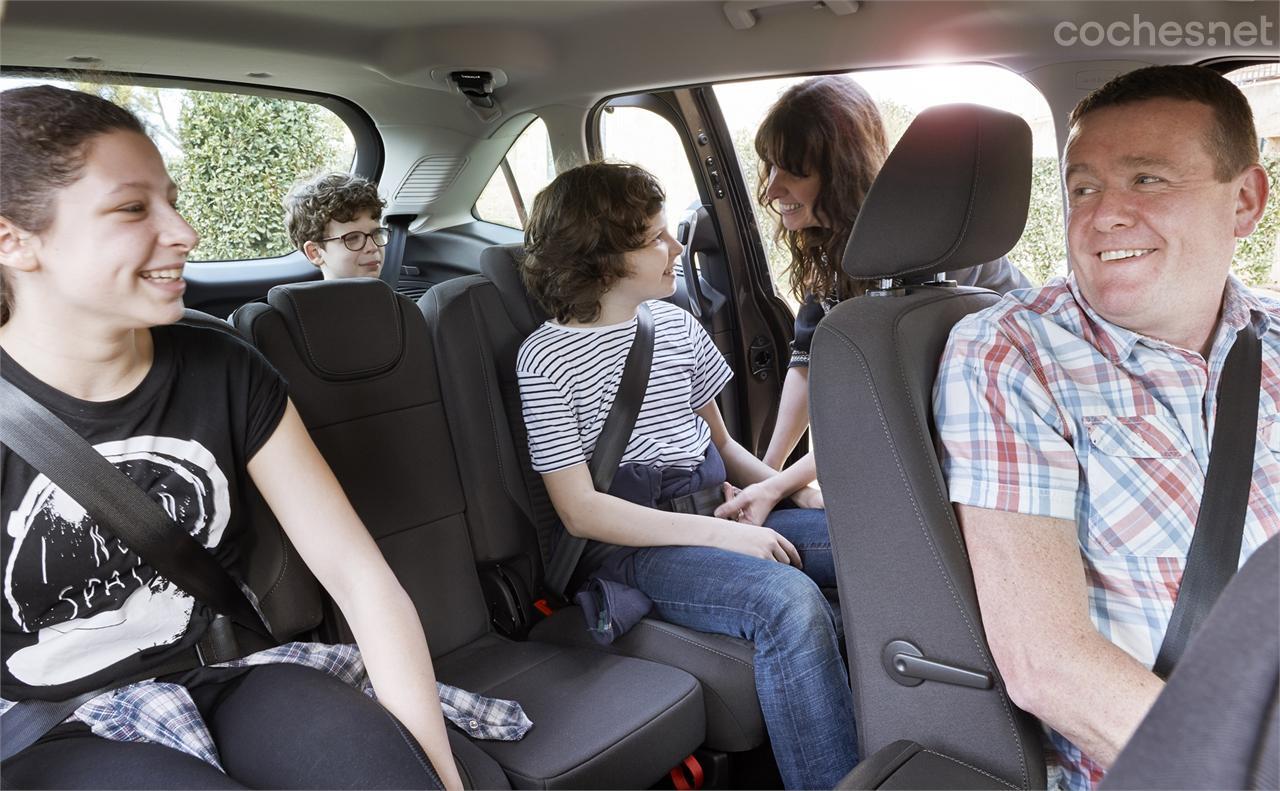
(92, 252)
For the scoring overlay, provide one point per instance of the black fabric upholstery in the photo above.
(582, 703)
(725, 665)
(907, 765)
(501, 264)
(311, 310)
(511, 516)
(1214, 725)
(382, 426)
(953, 194)
(287, 592)
(900, 558)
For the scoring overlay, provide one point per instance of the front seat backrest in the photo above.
(953, 194)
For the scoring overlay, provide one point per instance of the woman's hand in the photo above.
(808, 497)
(751, 505)
(757, 542)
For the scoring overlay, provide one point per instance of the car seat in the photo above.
(361, 368)
(1216, 724)
(952, 194)
(479, 323)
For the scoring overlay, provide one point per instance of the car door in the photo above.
(724, 282)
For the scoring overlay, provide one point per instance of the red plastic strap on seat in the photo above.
(696, 775)
(543, 607)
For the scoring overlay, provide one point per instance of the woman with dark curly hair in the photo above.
(820, 147)
(598, 250)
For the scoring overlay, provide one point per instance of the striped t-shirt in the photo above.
(569, 377)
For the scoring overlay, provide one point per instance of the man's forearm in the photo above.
(1093, 693)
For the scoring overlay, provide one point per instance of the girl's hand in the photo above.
(751, 505)
(757, 542)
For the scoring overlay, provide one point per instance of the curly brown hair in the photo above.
(579, 231)
(315, 200)
(832, 126)
(45, 134)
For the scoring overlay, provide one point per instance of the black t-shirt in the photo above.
(80, 608)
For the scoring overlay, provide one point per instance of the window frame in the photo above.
(370, 152)
(513, 185)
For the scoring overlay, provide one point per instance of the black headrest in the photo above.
(953, 194)
(501, 264)
(345, 329)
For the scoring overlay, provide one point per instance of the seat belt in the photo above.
(50, 446)
(53, 448)
(393, 255)
(610, 445)
(1214, 554)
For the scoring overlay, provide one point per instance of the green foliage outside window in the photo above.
(240, 156)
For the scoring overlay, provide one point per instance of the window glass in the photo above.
(901, 94)
(1257, 260)
(642, 137)
(526, 169)
(233, 157)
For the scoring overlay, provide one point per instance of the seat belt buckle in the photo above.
(218, 644)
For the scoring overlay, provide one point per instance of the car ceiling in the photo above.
(382, 54)
(390, 57)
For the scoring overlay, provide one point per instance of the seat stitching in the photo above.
(973, 768)
(652, 625)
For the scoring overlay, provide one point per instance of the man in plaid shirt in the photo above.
(1075, 420)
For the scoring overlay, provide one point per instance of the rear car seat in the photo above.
(361, 369)
(478, 324)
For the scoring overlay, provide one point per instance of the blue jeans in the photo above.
(800, 678)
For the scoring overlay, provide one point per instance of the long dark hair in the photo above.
(831, 126)
(44, 134)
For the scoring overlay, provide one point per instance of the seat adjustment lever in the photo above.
(908, 666)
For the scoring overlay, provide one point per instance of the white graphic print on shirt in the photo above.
(124, 606)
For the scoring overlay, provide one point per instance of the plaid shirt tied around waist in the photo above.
(164, 713)
(1045, 408)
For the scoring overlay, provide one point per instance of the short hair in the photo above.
(579, 231)
(1232, 139)
(830, 125)
(315, 200)
(45, 134)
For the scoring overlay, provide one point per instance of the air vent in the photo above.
(412, 292)
(429, 178)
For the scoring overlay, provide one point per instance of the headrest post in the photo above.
(887, 287)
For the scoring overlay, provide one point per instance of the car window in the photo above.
(642, 137)
(523, 172)
(233, 157)
(901, 94)
(1257, 260)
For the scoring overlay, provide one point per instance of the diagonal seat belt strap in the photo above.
(393, 254)
(1215, 545)
(50, 446)
(611, 444)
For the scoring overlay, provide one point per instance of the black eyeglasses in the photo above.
(354, 240)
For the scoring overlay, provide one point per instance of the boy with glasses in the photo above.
(334, 219)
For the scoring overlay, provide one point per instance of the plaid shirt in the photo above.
(163, 713)
(1045, 408)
